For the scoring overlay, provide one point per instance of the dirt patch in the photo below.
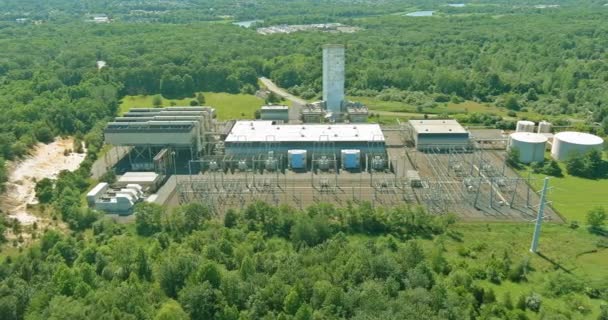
(45, 161)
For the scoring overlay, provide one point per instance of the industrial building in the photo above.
(531, 146)
(333, 78)
(275, 113)
(439, 134)
(250, 138)
(152, 131)
(567, 143)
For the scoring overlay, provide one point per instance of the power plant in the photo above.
(330, 154)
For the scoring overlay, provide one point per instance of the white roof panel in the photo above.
(266, 131)
(437, 126)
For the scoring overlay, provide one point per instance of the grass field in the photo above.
(442, 108)
(571, 251)
(572, 196)
(228, 106)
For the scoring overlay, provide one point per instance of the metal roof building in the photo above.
(280, 113)
(254, 137)
(439, 134)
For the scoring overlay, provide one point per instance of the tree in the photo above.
(44, 190)
(171, 310)
(209, 272)
(173, 271)
(533, 302)
(513, 157)
(247, 268)
(144, 271)
(3, 175)
(575, 165)
(148, 218)
(230, 218)
(8, 308)
(552, 168)
(200, 301)
(511, 103)
(304, 313)
(292, 302)
(596, 218)
(200, 97)
(157, 100)
(44, 134)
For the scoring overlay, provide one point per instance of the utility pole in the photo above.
(539, 218)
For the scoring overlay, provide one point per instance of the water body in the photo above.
(457, 5)
(420, 14)
(246, 24)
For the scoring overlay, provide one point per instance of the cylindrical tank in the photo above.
(525, 126)
(544, 127)
(297, 159)
(531, 146)
(350, 158)
(568, 142)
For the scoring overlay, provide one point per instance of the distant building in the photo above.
(276, 113)
(101, 18)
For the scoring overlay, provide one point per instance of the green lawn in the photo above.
(572, 196)
(448, 108)
(228, 106)
(573, 250)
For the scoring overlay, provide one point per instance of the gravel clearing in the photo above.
(45, 161)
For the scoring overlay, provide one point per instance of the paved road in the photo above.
(296, 103)
(281, 92)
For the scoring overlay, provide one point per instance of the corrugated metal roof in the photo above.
(266, 131)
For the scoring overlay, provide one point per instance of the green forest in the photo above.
(279, 263)
(266, 262)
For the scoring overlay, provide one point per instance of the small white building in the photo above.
(147, 180)
(439, 134)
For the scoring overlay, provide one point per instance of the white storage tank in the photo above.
(544, 127)
(525, 126)
(351, 159)
(569, 142)
(531, 146)
(297, 159)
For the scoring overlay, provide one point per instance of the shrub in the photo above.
(533, 302)
(596, 218)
